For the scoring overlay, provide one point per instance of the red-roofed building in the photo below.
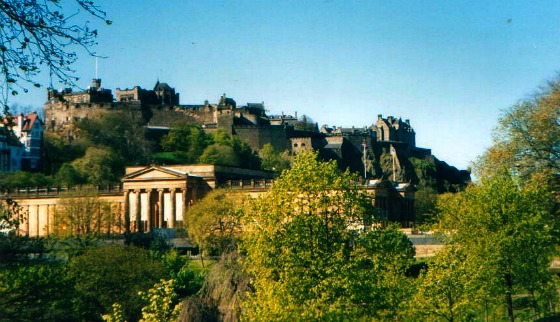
(29, 131)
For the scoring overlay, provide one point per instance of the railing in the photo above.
(262, 184)
(38, 192)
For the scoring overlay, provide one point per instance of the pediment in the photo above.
(155, 173)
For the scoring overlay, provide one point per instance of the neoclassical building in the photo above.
(150, 197)
(153, 197)
(159, 196)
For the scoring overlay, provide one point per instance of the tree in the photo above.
(507, 232)
(37, 35)
(123, 133)
(82, 214)
(22, 179)
(100, 166)
(112, 274)
(58, 151)
(37, 291)
(213, 223)
(447, 289)
(9, 215)
(306, 258)
(272, 160)
(163, 303)
(527, 140)
(219, 300)
(68, 176)
(425, 200)
(229, 150)
(305, 123)
(186, 140)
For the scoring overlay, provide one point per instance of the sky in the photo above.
(451, 67)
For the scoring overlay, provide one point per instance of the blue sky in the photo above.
(448, 66)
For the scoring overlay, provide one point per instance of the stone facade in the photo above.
(155, 197)
(150, 197)
(393, 129)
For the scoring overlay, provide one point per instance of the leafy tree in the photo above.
(116, 315)
(219, 154)
(273, 160)
(23, 179)
(112, 274)
(163, 303)
(305, 123)
(38, 291)
(213, 223)
(100, 166)
(186, 140)
(219, 299)
(447, 289)
(305, 260)
(39, 35)
(507, 231)
(58, 151)
(527, 140)
(9, 215)
(121, 132)
(82, 214)
(425, 200)
(187, 279)
(229, 150)
(68, 176)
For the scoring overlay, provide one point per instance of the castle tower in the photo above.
(96, 83)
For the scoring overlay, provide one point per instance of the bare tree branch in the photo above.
(38, 35)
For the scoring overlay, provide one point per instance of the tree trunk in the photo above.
(509, 298)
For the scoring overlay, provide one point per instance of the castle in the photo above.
(356, 148)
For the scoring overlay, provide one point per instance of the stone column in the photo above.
(184, 210)
(48, 216)
(160, 208)
(138, 212)
(127, 212)
(28, 217)
(171, 223)
(151, 210)
(38, 218)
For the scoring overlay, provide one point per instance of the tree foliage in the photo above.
(9, 215)
(186, 140)
(100, 166)
(447, 290)
(527, 140)
(120, 132)
(36, 35)
(112, 274)
(22, 179)
(306, 259)
(507, 231)
(213, 223)
(272, 160)
(162, 303)
(83, 214)
(36, 291)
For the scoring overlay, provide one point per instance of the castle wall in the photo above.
(257, 137)
(61, 114)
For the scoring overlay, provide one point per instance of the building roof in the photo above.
(30, 120)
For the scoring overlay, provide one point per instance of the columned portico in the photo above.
(160, 196)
